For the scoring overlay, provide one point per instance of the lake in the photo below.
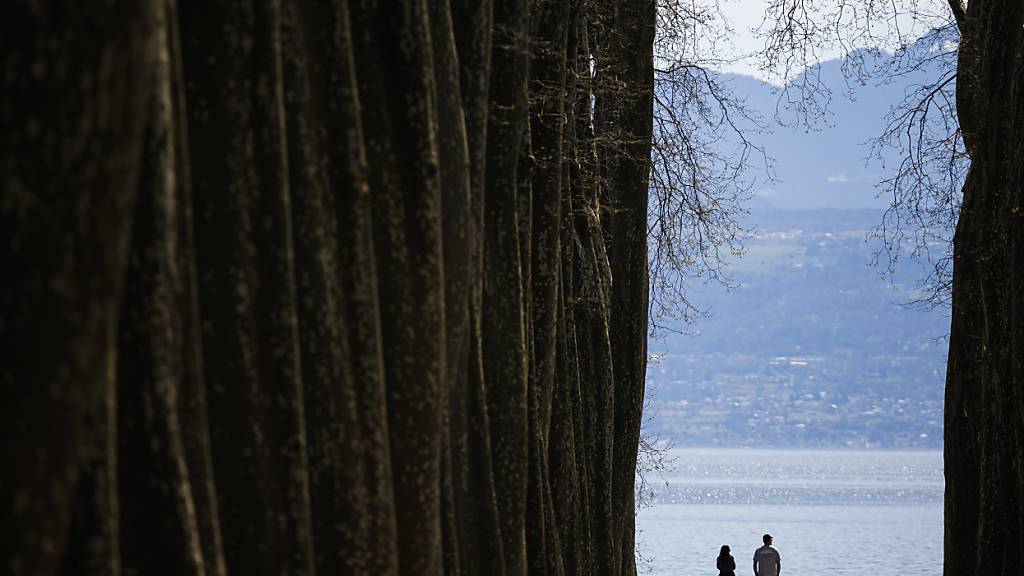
(830, 512)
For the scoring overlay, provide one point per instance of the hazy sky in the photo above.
(746, 15)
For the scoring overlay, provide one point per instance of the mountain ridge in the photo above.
(812, 347)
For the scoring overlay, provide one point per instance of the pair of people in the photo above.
(766, 560)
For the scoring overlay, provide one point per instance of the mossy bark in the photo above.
(322, 287)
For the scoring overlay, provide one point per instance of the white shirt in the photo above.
(766, 558)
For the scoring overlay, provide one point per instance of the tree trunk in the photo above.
(629, 123)
(503, 322)
(72, 112)
(401, 144)
(314, 287)
(984, 438)
(158, 513)
(233, 67)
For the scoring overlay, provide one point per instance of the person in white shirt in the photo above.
(766, 559)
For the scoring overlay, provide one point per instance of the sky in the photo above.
(745, 16)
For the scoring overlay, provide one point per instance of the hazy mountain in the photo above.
(813, 347)
(826, 165)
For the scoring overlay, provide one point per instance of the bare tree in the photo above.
(884, 42)
(701, 159)
(924, 188)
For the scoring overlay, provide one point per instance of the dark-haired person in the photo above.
(726, 564)
(766, 559)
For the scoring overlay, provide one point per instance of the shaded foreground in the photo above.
(322, 287)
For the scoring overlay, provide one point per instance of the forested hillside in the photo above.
(810, 347)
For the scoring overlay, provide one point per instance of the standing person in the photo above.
(766, 559)
(726, 564)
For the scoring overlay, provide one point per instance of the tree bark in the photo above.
(630, 104)
(503, 322)
(72, 111)
(158, 514)
(984, 438)
(401, 144)
(331, 294)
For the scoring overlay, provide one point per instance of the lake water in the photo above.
(830, 512)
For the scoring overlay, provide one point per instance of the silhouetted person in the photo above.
(766, 559)
(726, 564)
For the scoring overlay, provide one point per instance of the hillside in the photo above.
(813, 347)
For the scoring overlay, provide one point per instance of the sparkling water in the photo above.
(830, 512)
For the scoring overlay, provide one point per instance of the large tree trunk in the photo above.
(629, 123)
(502, 316)
(477, 520)
(624, 37)
(159, 524)
(319, 287)
(72, 112)
(395, 66)
(233, 68)
(984, 438)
